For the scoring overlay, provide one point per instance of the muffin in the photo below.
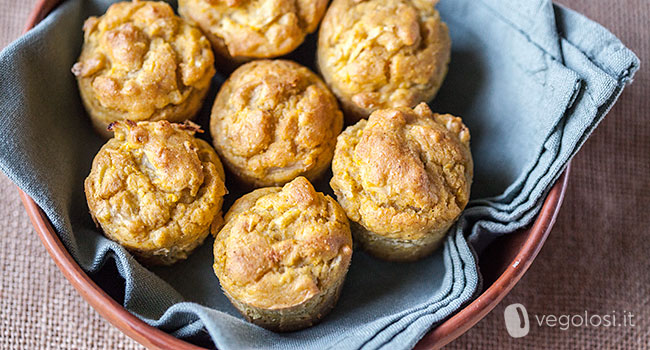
(156, 189)
(241, 30)
(141, 62)
(403, 177)
(273, 121)
(378, 54)
(283, 254)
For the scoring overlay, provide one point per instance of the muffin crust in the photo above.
(156, 189)
(244, 29)
(273, 121)
(283, 254)
(141, 62)
(382, 53)
(403, 177)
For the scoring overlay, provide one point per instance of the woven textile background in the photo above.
(596, 259)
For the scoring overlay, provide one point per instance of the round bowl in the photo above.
(502, 265)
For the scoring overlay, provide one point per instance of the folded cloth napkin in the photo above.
(530, 79)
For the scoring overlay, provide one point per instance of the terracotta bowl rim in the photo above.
(154, 338)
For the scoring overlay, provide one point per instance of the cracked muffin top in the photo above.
(156, 189)
(245, 29)
(382, 53)
(404, 173)
(282, 246)
(140, 61)
(274, 120)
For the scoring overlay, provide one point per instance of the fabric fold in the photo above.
(602, 75)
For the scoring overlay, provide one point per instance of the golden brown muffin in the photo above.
(403, 178)
(382, 53)
(273, 121)
(283, 254)
(244, 29)
(140, 61)
(156, 189)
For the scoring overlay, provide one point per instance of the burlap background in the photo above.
(597, 258)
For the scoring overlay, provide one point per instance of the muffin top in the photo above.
(273, 121)
(255, 28)
(140, 58)
(280, 247)
(404, 172)
(383, 53)
(154, 187)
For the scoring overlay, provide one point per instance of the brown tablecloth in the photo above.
(596, 260)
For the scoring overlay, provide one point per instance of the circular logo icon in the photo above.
(517, 322)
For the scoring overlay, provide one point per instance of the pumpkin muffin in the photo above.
(274, 120)
(283, 254)
(403, 177)
(241, 30)
(156, 189)
(382, 53)
(140, 61)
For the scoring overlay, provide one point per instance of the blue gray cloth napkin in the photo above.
(530, 79)
(542, 78)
